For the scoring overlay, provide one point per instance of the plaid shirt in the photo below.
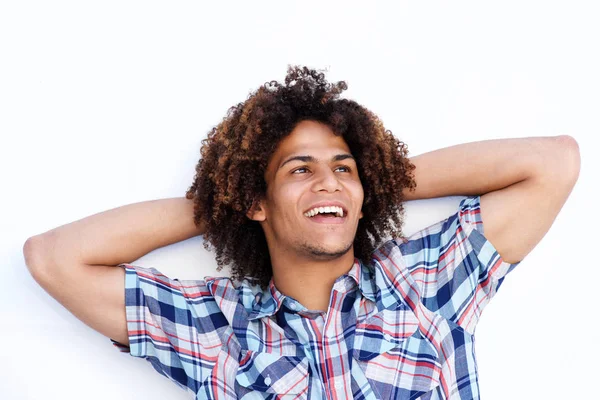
(400, 327)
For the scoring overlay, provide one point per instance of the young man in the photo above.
(301, 193)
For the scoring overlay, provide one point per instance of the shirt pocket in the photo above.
(390, 350)
(269, 373)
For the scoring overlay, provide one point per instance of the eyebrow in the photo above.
(311, 159)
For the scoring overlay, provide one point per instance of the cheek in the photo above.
(357, 191)
(290, 193)
(285, 200)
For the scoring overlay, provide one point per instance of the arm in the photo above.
(75, 262)
(523, 183)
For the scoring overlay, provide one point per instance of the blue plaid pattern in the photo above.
(399, 327)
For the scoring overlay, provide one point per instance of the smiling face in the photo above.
(311, 167)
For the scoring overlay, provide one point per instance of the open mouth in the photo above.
(327, 218)
(331, 213)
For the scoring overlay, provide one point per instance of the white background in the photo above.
(105, 104)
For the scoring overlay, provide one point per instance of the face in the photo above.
(311, 167)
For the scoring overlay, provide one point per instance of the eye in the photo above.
(345, 167)
(299, 169)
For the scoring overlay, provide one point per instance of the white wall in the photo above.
(105, 104)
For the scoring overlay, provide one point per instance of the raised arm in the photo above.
(523, 183)
(75, 263)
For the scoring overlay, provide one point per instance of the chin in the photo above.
(329, 251)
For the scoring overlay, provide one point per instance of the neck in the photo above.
(307, 280)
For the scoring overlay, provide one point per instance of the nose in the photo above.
(326, 179)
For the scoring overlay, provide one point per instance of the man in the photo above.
(301, 193)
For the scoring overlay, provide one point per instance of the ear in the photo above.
(257, 211)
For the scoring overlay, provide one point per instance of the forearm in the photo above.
(122, 234)
(480, 167)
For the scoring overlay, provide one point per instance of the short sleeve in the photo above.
(458, 269)
(169, 324)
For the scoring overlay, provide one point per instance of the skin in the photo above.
(307, 256)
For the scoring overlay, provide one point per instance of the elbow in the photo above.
(29, 251)
(570, 164)
(33, 254)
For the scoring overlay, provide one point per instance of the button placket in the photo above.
(336, 384)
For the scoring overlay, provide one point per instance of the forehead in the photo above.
(309, 138)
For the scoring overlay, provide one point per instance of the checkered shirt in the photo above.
(399, 327)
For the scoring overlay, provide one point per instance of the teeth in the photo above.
(322, 210)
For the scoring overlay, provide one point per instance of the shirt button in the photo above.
(268, 380)
(293, 306)
(387, 337)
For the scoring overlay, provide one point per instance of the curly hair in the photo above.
(234, 156)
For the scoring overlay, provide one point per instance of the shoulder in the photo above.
(136, 275)
(430, 240)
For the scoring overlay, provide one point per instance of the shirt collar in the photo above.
(261, 303)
